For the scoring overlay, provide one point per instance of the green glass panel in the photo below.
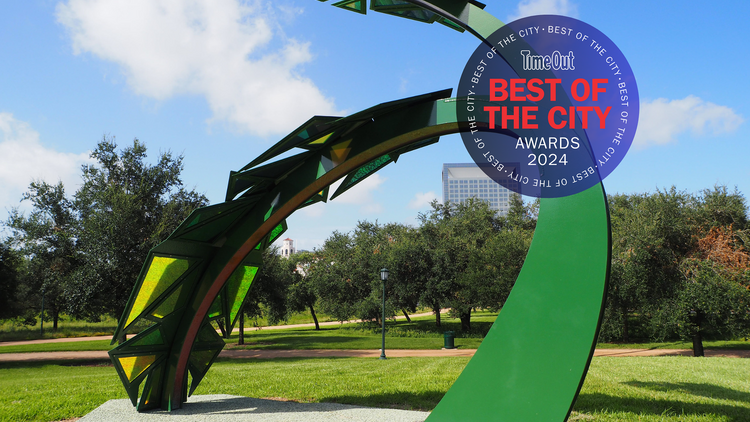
(275, 233)
(200, 359)
(215, 310)
(162, 273)
(169, 304)
(358, 6)
(195, 221)
(268, 213)
(152, 339)
(135, 365)
(362, 173)
(450, 24)
(207, 334)
(150, 398)
(257, 247)
(369, 168)
(321, 170)
(237, 288)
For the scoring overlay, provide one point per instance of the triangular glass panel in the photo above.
(169, 304)
(133, 366)
(320, 141)
(154, 338)
(362, 173)
(340, 152)
(200, 361)
(359, 6)
(276, 232)
(215, 311)
(207, 334)
(162, 273)
(237, 287)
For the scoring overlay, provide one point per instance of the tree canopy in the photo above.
(85, 252)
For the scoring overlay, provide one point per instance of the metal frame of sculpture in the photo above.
(531, 364)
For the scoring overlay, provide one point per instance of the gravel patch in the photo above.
(226, 408)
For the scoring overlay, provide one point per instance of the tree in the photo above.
(679, 266)
(126, 207)
(9, 264)
(714, 298)
(268, 293)
(302, 295)
(651, 234)
(48, 240)
(410, 267)
(467, 259)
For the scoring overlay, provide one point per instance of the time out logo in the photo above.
(548, 106)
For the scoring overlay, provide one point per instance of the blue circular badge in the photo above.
(550, 109)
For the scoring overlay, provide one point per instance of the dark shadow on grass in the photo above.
(597, 402)
(696, 389)
(104, 362)
(295, 342)
(424, 401)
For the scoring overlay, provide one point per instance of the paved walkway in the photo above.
(328, 353)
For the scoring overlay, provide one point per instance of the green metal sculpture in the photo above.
(533, 361)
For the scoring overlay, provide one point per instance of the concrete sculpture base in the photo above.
(226, 408)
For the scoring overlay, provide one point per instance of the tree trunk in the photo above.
(698, 344)
(466, 321)
(315, 318)
(625, 326)
(437, 316)
(242, 328)
(406, 315)
(55, 318)
(696, 318)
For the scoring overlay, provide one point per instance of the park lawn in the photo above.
(664, 389)
(740, 344)
(339, 338)
(66, 346)
(420, 333)
(66, 327)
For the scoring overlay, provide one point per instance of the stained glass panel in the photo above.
(161, 274)
(169, 304)
(135, 365)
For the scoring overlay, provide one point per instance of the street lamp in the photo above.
(383, 278)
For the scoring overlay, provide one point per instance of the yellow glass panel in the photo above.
(321, 140)
(161, 274)
(135, 365)
(167, 307)
(340, 151)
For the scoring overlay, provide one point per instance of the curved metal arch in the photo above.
(200, 271)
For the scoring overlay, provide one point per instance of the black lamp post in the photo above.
(383, 278)
(44, 290)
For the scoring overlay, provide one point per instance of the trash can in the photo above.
(448, 337)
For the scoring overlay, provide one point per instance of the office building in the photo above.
(465, 180)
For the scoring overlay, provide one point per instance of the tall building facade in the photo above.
(287, 248)
(465, 180)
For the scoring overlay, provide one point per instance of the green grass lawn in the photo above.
(664, 389)
(11, 330)
(420, 333)
(58, 347)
